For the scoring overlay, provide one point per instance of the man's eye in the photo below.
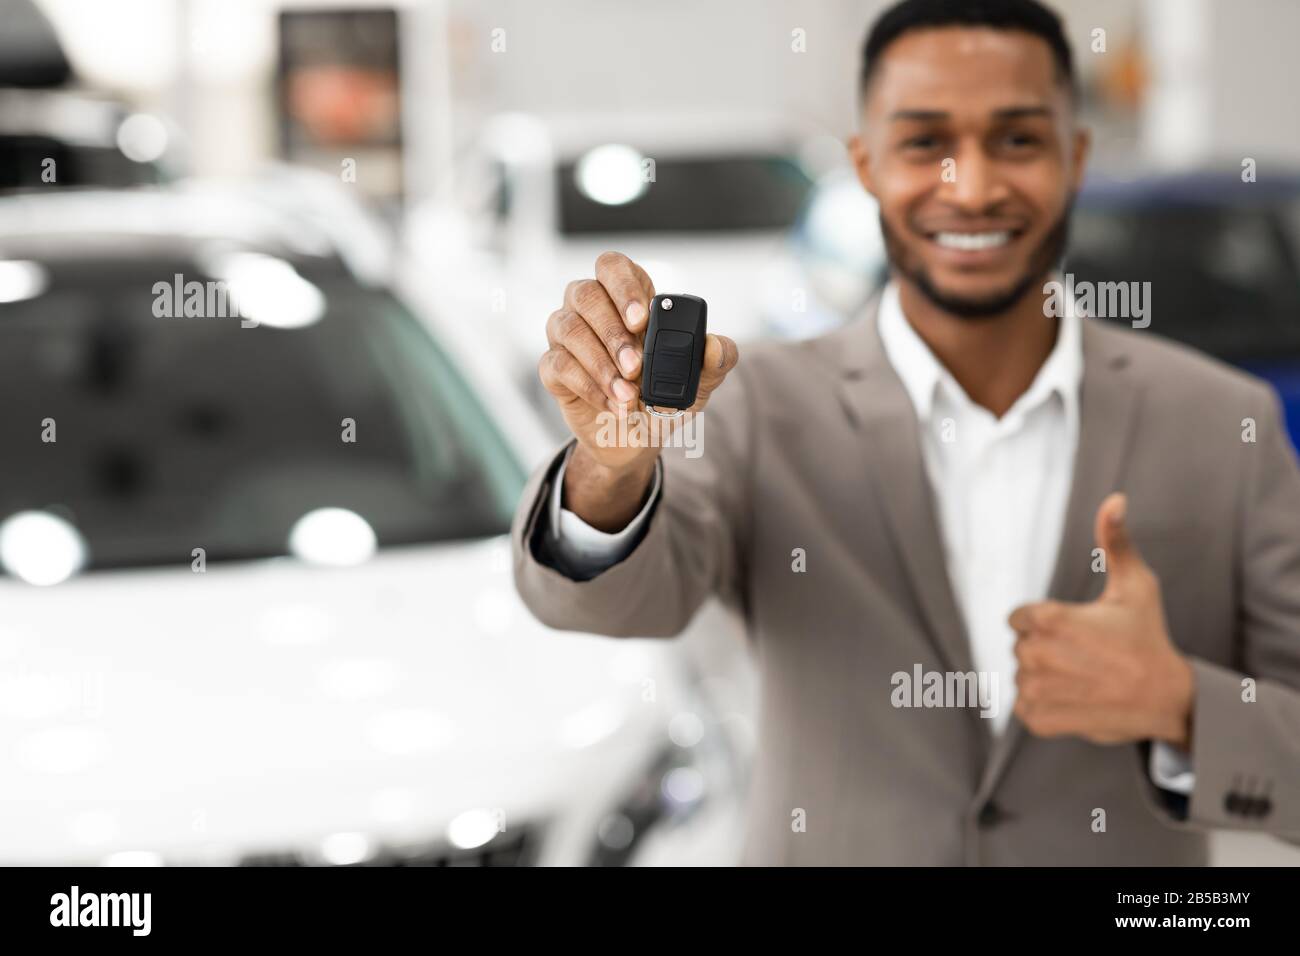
(1020, 140)
(920, 142)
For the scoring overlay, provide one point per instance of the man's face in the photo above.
(970, 148)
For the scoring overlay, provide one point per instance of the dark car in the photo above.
(56, 133)
(1222, 257)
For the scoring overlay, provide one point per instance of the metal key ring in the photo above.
(677, 413)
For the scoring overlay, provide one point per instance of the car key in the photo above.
(674, 353)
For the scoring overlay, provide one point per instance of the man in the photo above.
(1024, 587)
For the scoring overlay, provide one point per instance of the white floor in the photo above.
(1252, 849)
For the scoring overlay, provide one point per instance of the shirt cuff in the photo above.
(1171, 768)
(588, 550)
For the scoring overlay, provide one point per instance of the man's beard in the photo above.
(1045, 257)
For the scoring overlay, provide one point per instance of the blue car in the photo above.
(1222, 257)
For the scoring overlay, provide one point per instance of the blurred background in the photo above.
(256, 585)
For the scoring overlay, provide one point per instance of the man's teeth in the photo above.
(971, 241)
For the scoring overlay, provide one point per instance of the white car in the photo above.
(257, 593)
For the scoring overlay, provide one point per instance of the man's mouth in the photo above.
(971, 246)
(972, 241)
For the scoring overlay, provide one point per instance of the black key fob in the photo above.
(674, 351)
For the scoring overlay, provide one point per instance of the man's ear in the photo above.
(861, 163)
(1082, 148)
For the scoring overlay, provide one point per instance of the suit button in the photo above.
(990, 815)
(1260, 806)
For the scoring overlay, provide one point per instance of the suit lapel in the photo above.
(880, 408)
(878, 405)
(1109, 404)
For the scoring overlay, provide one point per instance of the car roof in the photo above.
(103, 223)
(176, 221)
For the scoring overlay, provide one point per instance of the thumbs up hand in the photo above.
(1106, 670)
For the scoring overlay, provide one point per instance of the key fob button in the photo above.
(672, 363)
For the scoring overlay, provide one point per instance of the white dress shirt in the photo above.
(1002, 487)
(1001, 484)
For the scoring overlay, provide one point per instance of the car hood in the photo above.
(187, 713)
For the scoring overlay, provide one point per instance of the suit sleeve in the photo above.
(1246, 717)
(692, 546)
(570, 544)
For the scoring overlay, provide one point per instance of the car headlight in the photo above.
(694, 766)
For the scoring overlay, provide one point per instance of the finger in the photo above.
(1044, 720)
(1034, 652)
(1040, 617)
(591, 301)
(1047, 689)
(1058, 655)
(565, 378)
(569, 331)
(720, 356)
(1124, 564)
(628, 286)
(1065, 653)
(1109, 529)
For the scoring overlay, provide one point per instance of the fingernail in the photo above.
(627, 358)
(624, 390)
(636, 313)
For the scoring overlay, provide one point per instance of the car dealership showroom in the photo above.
(986, 552)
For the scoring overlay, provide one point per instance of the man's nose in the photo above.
(974, 182)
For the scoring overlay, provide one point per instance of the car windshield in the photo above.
(722, 193)
(155, 436)
(1224, 278)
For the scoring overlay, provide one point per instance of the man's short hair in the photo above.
(1028, 16)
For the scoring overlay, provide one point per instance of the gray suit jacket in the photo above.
(815, 445)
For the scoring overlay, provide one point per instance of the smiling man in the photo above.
(966, 485)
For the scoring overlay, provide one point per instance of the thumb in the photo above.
(720, 357)
(1123, 560)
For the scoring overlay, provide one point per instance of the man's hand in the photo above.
(593, 368)
(1105, 671)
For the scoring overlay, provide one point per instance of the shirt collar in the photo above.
(922, 373)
